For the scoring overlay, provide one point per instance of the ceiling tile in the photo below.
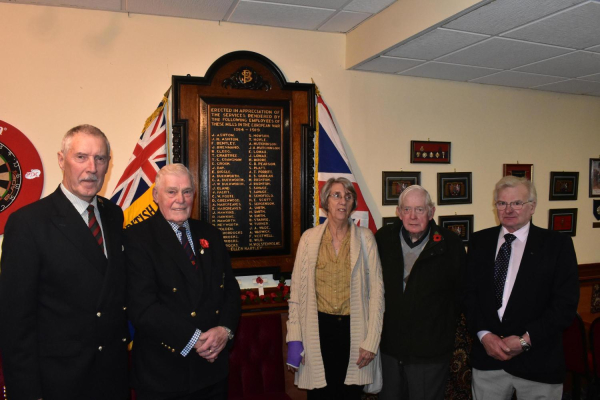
(388, 64)
(573, 86)
(572, 65)
(593, 77)
(369, 6)
(595, 48)
(333, 4)
(435, 44)
(451, 72)
(577, 27)
(503, 53)
(344, 21)
(108, 5)
(286, 16)
(517, 79)
(502, 15)
(213, 10)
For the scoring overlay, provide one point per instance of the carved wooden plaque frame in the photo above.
(247, 136)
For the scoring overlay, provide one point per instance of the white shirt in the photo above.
(81, 207)
(516, 254)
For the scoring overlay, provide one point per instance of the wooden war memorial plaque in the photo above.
(247, 135)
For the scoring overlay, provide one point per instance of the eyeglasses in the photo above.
(418, 210)
(515, 205)
(338, 195)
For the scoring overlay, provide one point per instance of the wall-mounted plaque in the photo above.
(247, 135)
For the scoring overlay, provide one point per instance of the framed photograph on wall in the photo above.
(563, 220)
(394, 183)
(454, 188)
(422, 151)
(462, 225)
(564, 185)
(594, 177)
(388, 221)
(520, 170)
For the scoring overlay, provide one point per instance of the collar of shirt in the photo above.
(80, 205)
(406, 235)
(521, 234)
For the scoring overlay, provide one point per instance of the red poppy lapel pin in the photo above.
(203, 245)
(437, 237)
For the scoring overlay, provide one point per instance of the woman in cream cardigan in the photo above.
(336, 304)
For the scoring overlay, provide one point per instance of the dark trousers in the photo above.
(403, 381)
(334, 333)
(218, 391)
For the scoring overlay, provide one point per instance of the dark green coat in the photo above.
(420, 323)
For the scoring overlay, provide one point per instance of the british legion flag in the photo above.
(332, 162)
(134, 190)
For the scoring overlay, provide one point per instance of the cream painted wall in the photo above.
(61, 67)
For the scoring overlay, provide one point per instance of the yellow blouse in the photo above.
(332, 276)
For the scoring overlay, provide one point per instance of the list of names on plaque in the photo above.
(246, 176)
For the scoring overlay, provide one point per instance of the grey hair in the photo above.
(87, 129)
(514, 181)
(174, 169)
(326, 191)
(428, 202)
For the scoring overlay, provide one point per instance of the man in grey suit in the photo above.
(63, 325)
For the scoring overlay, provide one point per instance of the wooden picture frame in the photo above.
(564, 185)
(388, 221)
(428, 152)
(454, 188)
(462, 225)
(594, 177)
(519, 170)
(394, 183)
(563, 220)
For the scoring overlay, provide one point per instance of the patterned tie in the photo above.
(186, 246)
(501, 269)
(94, 226)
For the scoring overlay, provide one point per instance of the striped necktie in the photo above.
(94, 226)
(186, 246)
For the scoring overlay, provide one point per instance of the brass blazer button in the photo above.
(172, 350)
(124, 339)
(124, 308)
(100, 348)
(174, 290)
(193, 314)
(98, 314)
(221, 286)
(217, 311)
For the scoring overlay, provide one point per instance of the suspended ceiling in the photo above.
(550, 45)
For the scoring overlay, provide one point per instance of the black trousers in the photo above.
(334, 332)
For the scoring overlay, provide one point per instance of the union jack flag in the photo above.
(332, 162)
(133, 192)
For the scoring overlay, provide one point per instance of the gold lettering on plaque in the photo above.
(247, 76)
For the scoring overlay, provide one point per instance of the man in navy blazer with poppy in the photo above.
(183, 298)
(523, 290)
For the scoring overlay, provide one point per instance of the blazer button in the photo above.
(174, 290)
(100, 348)
(193, 314)
(221, 286)
(172, 350)
(217, 311)
(124, 308)
(98, 314)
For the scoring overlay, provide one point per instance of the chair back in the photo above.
(256, 364)
(575, 347)
(595, 346)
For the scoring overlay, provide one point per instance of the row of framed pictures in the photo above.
(456, 187)
(562, 220)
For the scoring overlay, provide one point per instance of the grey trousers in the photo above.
(415, 381)
(500, 385)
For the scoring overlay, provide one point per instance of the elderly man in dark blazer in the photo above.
(423, 275)
(63, 325)
(523, 291)
(184, 300)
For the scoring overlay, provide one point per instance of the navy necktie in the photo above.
(186, 246)
(501, 269)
